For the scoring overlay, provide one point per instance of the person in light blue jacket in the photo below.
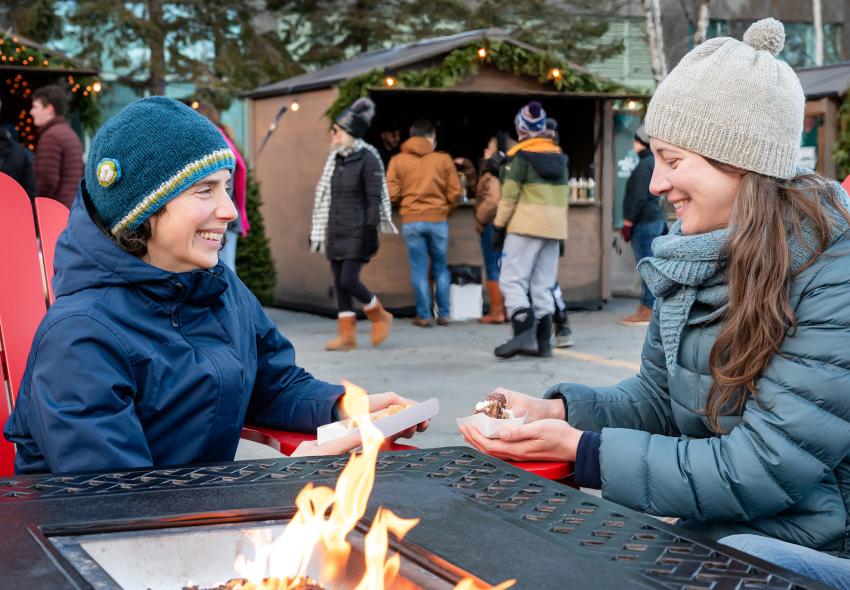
(739, 419)
(154, 354)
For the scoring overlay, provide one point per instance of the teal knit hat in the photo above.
(146, 155)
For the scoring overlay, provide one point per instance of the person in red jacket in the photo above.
(59, 152)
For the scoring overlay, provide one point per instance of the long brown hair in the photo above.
(766, 213)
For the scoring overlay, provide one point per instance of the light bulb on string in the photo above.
(294, 105)
(482, 53)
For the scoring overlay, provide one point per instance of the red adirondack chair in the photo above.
(28, 238)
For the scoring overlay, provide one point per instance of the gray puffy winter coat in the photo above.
(783, 469)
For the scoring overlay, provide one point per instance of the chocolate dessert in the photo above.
(494, 407)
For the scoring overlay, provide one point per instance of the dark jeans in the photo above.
(347, 284)
(642, 236)
(492, 257)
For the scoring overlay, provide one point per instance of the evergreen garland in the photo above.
(841, 151)
(465, 61)
(254, 263)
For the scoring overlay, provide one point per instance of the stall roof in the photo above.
(819, 82)
(392, 58)
(77, 67)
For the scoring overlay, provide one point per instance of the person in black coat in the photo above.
(643, 220)
(16, 162)
(354, 177)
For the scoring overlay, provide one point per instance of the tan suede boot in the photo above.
(639, 318)
(496, 315)
(347, 338)
(381, 321)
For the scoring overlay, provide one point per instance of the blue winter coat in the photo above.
(134, 366)
(783, 469)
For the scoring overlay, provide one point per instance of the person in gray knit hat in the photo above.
(739, 420)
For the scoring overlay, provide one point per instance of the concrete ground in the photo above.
(455, 363)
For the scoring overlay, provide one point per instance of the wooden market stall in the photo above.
(468, 104)
(26, 66)
(825, 88)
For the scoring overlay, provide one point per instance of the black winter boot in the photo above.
(524, 340)
(544, 336)
(563, 337)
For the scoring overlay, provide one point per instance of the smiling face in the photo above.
(702, 194)
(188, 235)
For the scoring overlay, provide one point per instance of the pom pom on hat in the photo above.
(364, 107)
(357, 118)
(768, 34)
(530, 121)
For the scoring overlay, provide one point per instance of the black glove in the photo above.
(370, 241)
(498, 241)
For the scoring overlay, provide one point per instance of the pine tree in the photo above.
(841, 151)
(254, 263)
(215, 46)
(322, 32)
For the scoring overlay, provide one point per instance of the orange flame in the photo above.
(283, 563)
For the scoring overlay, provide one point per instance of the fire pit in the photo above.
(201, 556)
(478, 516)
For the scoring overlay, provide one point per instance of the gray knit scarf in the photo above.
(684, 270)
(322, 201)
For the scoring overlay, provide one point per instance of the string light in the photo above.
(482, 53)
(555, 73)
(389, 82)
(294, 106)
(195, 105)
(97, 87)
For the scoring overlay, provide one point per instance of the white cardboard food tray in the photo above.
(388, 426)
(488, 426)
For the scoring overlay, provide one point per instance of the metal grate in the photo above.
(587, 525)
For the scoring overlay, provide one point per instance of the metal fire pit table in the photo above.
(478, 515)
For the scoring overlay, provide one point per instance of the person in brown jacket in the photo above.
(487, 197)
(59, 152)
(425, 184)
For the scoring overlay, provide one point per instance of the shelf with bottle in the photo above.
(582, 191)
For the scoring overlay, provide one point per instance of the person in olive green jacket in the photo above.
(739, 419)
(533, 213)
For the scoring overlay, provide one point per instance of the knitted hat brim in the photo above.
(189, 175)
(728, 146)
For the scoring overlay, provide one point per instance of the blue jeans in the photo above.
(492, 258)
(642, 236)
(428, 239)
(822, 567)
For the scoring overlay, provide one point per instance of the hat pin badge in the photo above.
(108, 172)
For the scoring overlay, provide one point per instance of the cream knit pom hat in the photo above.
(734, 102)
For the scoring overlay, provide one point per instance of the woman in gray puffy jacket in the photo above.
(739, 420)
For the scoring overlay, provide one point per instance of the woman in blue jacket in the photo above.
(739, 420)
(154, 354)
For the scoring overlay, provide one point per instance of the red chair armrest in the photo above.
(553, 470)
